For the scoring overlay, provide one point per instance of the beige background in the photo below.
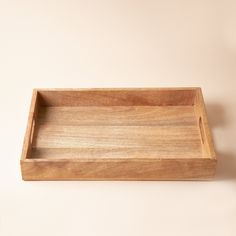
(117, 44)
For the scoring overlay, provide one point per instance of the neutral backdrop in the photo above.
(109, 43)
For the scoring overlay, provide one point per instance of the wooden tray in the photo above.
(118, 134)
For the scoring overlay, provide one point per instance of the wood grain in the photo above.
(34, 107)
(201, 116)
(167, 169)
(142, 134)
(118, 115)
(118, 97)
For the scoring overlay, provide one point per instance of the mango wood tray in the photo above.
(118, 134)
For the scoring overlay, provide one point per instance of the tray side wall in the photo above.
(30, 125)
(182, 169)
(205, 131)
(118, 97)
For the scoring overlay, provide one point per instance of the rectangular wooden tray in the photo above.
(118, 134)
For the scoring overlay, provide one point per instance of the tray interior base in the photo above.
(63, 132)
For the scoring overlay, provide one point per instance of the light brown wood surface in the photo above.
(118, 134)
